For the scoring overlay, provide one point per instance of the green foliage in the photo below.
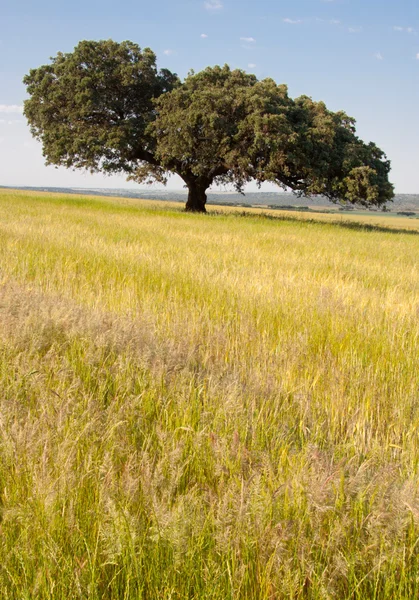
(106, 107)
(91, 108)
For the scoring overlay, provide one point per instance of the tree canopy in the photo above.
(106, 107)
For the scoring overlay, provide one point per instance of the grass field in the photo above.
(205, 407)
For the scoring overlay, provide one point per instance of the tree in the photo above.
(105, 107)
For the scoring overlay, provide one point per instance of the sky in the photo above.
(360, 56)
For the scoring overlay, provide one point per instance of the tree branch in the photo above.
(217, 171)
(141, 154)
(146, 156)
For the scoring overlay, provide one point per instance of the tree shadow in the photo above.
(367, 227)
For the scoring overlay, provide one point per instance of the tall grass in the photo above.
(205, 406)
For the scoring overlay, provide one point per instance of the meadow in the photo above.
(216, 407)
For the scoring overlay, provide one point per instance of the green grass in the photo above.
(205, 407)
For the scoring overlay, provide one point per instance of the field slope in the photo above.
(205, 407)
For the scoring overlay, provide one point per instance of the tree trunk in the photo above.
(197, 197)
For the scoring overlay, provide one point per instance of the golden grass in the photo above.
(205, 406)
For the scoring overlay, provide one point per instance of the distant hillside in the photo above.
(401, 203)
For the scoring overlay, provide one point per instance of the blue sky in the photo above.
(361, 56)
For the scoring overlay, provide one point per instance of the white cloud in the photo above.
(204, 36)
(354, 29)
(330, 21)
(378, 56)
(405, 29)
(292, 21)
(11, 108)
(248, 39)
(251, 65)
(417, 56)
(213, 5)
(168, 52)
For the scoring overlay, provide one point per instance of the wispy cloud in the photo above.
(248, 39)
(354, 29)
(417, 56)
(213, 5)
(168, 52)
(378, 56)
(328, 21)
(204, 36)
(251, 65)
(11, 108)
(292, 21)
(404, 29)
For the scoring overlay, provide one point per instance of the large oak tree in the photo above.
(106, 107)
